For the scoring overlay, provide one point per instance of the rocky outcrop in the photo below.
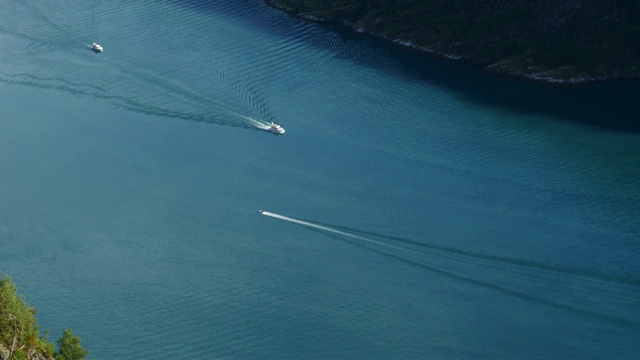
(31, 354)
(4, 353)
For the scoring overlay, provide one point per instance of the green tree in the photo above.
(70, 348)
(17, 318)
(18, 355)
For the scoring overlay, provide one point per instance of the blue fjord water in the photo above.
(417, 208)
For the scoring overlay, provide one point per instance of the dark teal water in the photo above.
(418, 208)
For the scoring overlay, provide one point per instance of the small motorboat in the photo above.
(276, 129)
(261, 211)
(96, 47)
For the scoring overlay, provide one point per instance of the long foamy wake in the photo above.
(327, 229)
(591, 294)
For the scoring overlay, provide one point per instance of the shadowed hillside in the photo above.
(551, 40)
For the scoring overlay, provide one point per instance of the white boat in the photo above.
(96, 47)
(276, 129)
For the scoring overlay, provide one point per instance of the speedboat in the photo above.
(96, 47)
(261, 211)
(276, 129)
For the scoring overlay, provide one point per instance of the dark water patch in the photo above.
(608, 105)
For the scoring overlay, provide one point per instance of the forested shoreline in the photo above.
(547, 40)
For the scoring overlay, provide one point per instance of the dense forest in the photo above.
(552, 40)
(20, 333)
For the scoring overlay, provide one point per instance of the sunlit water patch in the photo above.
(173, 68)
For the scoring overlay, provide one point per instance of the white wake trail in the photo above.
(255, 122)
(328, 229)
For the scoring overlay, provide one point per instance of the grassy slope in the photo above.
(560, 39)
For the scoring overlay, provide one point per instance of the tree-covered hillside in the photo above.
(20, 333)
(553, 39)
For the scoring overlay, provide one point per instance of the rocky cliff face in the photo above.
(549, 40)
(31, 354)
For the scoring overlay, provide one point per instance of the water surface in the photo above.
(423, 209)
